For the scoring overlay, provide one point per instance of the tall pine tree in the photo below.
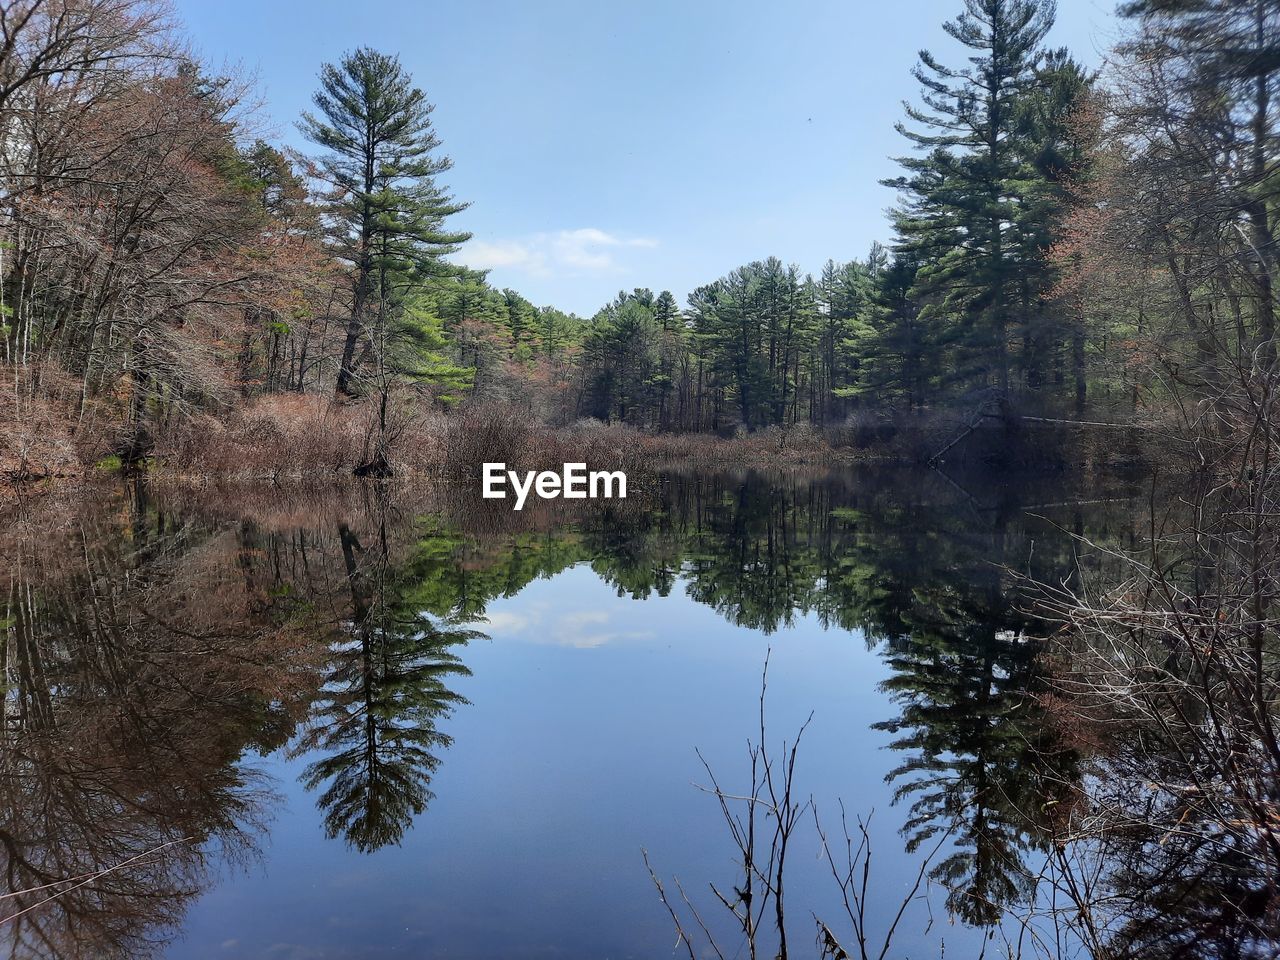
(963, 198)
(386, 212)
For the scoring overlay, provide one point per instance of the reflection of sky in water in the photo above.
(578, 750)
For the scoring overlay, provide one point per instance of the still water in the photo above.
(360, 724)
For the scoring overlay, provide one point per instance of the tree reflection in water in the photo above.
(141, 669)
(374, 721)
(151, 651)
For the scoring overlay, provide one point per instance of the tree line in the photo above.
(1060, 240)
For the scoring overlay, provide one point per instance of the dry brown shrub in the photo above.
(616, 445)
(273, 436)
(497, 433)
(36, 440)
(297, 436)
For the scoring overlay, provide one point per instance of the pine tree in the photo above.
(386, 211)
(1054, 153)
(899, 353)
(673, 355)
(557, 330)
(667, 312)
(962, 200)
(519, 321)
(738, 357)
(844, 294)
(622, 378)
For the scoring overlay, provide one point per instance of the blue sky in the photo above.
(606, 145)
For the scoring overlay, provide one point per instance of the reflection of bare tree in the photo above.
(140, 665)
(1171, 668)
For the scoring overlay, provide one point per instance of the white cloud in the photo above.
(483, 255)
(565, 252)
(579, 628)
(584, 617)
(572, 629)
(504, 622)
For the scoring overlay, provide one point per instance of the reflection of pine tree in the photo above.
(969, 740)
(904, 565)
(979, 763)
(638, 554)
(384, 694)
(747, 559)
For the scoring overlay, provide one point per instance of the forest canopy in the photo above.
(1064, 244)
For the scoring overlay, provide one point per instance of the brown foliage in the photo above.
(126, 714)
(36, 440)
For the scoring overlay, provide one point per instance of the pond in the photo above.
(365, 723)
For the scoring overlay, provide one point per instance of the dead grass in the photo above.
(501, 434)
(50, 434)
(35, 436)
(315, 438)
(43, 434)
(292, 437)
(38, 449)
(299, 437)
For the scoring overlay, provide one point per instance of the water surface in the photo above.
(360, 724)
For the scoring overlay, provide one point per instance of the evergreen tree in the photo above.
(963, 199)
(738, 355)
(707, 389)
(1053, 153)
(621, 361)
(667, 312)
(671, 379)
(557, 330)
(899, 352)
(519, 318)
(386, 211)
(468, 298)
(844, 295)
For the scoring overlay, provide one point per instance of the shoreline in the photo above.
(310, 440)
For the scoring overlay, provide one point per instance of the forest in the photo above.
(1067, 245)
(1071, 676)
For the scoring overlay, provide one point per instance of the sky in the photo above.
(605, 145)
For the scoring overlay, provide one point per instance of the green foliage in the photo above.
(620, 353)
(385, 690)
(976, 213)
(557, 331)
(967, 298)
(417, 349)
(518, 315)
(964, 300)
(386, 209)
(375, 127)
